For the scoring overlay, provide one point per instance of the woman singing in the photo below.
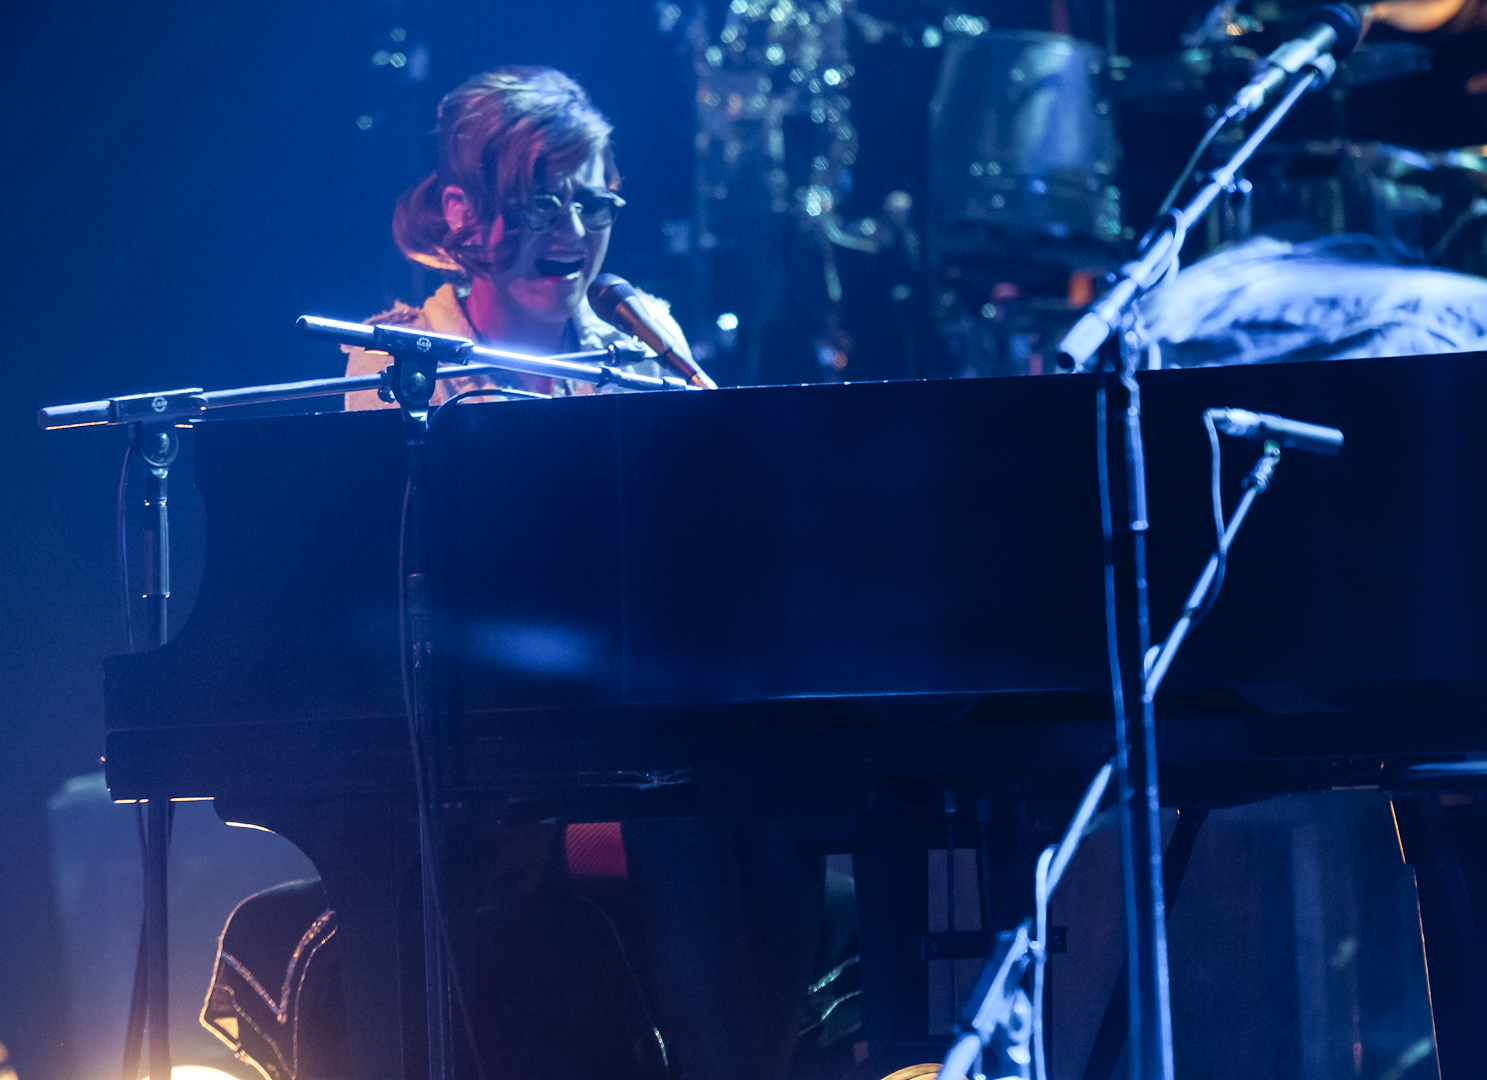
(694, 963)
(518, 213)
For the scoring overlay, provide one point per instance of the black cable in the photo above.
(445, 942)
(1219, 526)
(1192, 164)
(645, 1009)
(122, 519)
(1112, 644)
(487, 392)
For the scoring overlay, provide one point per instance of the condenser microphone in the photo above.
(1292, 434)
(1333, 31)
(613, 300)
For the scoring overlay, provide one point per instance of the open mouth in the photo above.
(560, 266)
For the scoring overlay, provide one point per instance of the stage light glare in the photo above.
(197, 1072)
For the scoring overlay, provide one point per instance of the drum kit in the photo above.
(1025, 209)
(1028, 202)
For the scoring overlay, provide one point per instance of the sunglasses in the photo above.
(596, 210)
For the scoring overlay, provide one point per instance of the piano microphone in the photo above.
(1290, 434)
(614, 300)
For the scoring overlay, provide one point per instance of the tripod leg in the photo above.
(157, 944)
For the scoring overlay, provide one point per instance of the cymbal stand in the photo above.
(1107, 336)
(419, 360)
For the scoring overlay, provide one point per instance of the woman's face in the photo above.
(553, 267)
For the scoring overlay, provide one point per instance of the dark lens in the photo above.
(596, 209)
(543, 212)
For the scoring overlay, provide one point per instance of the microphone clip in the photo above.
(1325, 66)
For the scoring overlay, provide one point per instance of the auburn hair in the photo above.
(500, 135)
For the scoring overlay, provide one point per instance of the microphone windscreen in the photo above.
(1344, 19)
(607, 293)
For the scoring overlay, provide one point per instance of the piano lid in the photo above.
(835, 540)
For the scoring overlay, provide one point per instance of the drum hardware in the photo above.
(1022, 149)
(1323, 187)
(1023, 209)
(1459, 178)
(1476, 211)
(1424, 201)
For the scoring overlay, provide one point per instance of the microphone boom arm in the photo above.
(167, 406)
(1081, 343)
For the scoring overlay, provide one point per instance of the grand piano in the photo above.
(826, 605)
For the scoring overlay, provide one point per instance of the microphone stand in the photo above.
(1128, 627)
(1162, 248)
(183, 405)
(1255, 482)
(419, 360)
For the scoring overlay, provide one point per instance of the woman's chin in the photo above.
(549, 299)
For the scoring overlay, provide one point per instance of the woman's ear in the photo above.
(457, 209)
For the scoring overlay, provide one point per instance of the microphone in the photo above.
(1292, 434)
(613, 300)
(1333, 31)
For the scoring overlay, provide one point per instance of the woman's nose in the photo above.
(569, 223)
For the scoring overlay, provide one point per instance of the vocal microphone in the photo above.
(613, 300)
(1292, 434)
(1333, 31)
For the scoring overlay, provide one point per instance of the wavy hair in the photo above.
(500, 134)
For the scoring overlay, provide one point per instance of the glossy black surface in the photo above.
(647, 581)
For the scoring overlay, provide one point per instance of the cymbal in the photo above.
(1381, 61)
(915, 1072)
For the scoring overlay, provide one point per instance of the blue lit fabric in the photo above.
(1268, 301)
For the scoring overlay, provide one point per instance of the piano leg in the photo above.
(1446, 842)
(891, 895)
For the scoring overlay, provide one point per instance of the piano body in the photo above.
(825, 604)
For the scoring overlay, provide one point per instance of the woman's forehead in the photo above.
(588, 175)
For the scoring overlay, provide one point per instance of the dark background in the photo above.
(180, 182)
